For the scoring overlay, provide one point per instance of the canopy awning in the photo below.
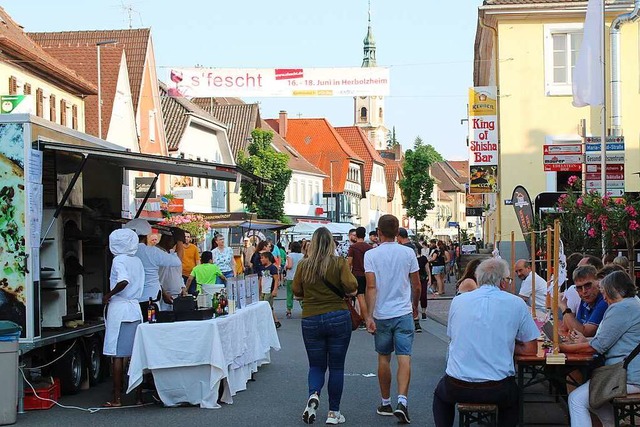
(150, 162)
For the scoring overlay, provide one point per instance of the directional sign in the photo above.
(598, 140)
(610, 177)
(611, 168)
(453, 224)
(612, 157)
(563, 162)
(562, 149)
(611, 146)
(611, 185)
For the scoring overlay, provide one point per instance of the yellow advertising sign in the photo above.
(483, 101)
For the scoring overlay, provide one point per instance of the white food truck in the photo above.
(62, 192)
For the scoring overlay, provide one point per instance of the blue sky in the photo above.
(428, 44)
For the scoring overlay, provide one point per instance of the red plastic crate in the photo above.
(52, 392)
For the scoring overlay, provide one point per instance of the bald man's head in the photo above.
(523, 268)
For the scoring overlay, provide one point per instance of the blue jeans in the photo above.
(326, 338)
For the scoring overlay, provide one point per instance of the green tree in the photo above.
(392, 141)
(265, 200)
(417, 184)
(433, 154)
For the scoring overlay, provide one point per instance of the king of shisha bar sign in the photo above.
(483, 140)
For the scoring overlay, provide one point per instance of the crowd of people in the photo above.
(387, 278)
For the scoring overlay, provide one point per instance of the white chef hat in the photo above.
(140, 226)
(123, 242)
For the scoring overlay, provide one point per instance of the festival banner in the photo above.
(278, 82)
(483, 140)
(524, 212)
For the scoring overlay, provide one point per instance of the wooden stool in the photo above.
(626, 407)
(476, 413)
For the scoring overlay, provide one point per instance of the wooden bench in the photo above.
(627, 407)
(485, 413)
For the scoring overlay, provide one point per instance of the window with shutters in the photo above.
(52, 109)
(39, 103)
(13, 85)
(27, 89)
(63, 112)
(74, 117)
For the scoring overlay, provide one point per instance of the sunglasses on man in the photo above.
(584, 287)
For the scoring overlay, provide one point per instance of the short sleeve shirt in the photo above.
(206, 274)
(391, 263)
(356, 252)
(592, 315)
(267, 278)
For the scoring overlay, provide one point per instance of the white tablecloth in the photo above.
(189, 359)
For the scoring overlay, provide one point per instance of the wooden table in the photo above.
(537, 364)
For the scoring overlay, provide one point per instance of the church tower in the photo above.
(369, 110)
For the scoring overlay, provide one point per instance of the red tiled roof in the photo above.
(297, 162)
(135, 43)
(361, 145)
(447, 182)
(462, 166)
(84, 60)
(240, 118)
(393, 173)
(17, 48)
(320, 144)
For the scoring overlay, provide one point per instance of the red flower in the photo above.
(591, 233)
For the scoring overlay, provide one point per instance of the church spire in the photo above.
(369, 59)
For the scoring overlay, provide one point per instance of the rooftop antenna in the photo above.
(130, 11)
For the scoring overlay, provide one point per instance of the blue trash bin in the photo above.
(9, 336)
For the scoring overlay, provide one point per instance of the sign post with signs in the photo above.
(614, 165)
(483, 143)
(563, 158)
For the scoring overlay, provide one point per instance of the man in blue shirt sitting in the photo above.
(592, 307)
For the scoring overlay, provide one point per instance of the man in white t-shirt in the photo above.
(392, 295)
(523, 270)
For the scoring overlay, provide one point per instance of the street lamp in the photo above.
(98, 45)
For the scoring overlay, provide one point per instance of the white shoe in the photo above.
(309, 414)
(335, 418)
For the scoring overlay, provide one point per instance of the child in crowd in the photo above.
(206, 273)
(269, 281)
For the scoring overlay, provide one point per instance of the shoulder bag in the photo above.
(356, 319)
(610, 381)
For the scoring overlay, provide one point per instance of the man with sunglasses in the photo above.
(592, 305)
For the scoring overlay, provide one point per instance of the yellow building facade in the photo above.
(527, 48)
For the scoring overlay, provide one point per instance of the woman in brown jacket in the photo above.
(326, 321)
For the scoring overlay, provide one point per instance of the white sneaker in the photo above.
(309, 414)
(335, 418)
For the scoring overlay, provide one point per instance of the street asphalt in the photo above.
(278, 396)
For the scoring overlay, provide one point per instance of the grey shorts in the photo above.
(124, 347)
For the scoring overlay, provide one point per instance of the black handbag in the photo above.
(610, 381)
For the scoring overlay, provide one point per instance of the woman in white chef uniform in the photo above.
(123, 314)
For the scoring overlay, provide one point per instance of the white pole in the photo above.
(99, 96)
(603, 141)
